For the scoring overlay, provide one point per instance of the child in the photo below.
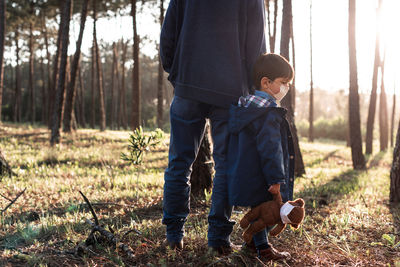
(260, 151)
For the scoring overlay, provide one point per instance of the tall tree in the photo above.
(395, 171)
(44, 95)
(59, 99)
(18, 100)
(49, 76)
(354, 102)
(31, 87)
(136, 88)
(122, 117)
(311, 112)
(393, 114)
(272, 32)
(99, 75)
(288, 101)
(113, 85)
(160, 95)
(2, 38)
(92, 87)
(71, 91)
(372, 100)
(383, 115)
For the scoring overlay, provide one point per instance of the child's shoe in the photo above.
(271, 253)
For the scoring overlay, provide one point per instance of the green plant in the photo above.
(391, 239)
(140, 143)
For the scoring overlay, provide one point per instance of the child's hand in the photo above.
(274, 189)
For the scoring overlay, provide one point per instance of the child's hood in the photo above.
(240, 117)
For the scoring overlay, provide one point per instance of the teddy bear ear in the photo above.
(300, 202)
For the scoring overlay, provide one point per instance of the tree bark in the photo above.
(44, 95)
(136, 88)
(49, 82)
(372, 99)
(59, 99)
(31, 88)
(81, 99)
(114, 81)
(354, 104)
(203, 166)
(56, 66)
(395, 171)
(160, 93)
(99, 74)
(288, 100)
(272, 34)
(93, 91)
(17, 103)
(123, 115)
(392, 120)
(2, 38)
(71, 92)
(311, 112)
(383, 115)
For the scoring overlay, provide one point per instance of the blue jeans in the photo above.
(188, 118)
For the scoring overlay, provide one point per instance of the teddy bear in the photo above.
(271, 213)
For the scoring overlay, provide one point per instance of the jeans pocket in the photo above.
(186, 109)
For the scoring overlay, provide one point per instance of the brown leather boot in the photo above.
(175, 245)
(271, 254)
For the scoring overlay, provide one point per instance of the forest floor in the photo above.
(348, 222)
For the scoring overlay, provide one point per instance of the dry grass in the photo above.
(349, 220)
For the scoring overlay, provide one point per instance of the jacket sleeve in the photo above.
(168, 37)
(269, 146)
(255, 39)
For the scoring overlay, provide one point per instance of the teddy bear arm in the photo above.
(249, 217)
(255, 227)
(277, 229)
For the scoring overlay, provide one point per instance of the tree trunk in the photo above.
(383, 116)
(2, 38)
(395, 171)
(136, 88)
(113, 82)
(81, 99)
(393, 114)
(123, 115)
(93, 91)
(311, 112)
(31, 88)
(56, 66)
(44, 95)
(99, 72)
(49, 82)
(354, 104)
(160, 96)
(372, 99)
(272, 34)
(203, 166)
(58, 105)
(71, 92)
(17, 103)
(288, 100)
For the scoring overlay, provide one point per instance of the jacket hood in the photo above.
(240, 117)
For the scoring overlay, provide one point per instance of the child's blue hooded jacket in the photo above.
(209, 57)
(260, 153)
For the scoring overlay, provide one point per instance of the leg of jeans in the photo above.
(261, 238)
(187, 129)
(219, 224)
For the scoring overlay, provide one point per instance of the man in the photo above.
(208, 47)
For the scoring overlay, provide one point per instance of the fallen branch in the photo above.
(108, 235)
(13, 201)
(90, 208)
(112, 239)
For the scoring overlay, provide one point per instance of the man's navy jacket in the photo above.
(208, 47)
(260, 153)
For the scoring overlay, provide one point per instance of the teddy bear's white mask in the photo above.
(285, 211)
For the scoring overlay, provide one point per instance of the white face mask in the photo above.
(285, 211)
(282, 92)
